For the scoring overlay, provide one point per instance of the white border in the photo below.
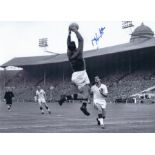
(81, 10)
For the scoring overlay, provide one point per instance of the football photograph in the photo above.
(77, 77)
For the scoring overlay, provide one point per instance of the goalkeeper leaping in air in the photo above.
(79, 76)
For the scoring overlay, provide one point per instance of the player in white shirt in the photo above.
(40, 96)
(99, 92)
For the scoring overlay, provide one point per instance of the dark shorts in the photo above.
(9, 102)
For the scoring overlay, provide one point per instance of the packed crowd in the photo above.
(119, 84)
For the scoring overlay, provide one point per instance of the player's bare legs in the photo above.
(84, 92)
(101, 115)
(46, 106)
(41, 107)
(82, 95)
(9, 106)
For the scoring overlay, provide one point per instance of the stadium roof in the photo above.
(40, 60)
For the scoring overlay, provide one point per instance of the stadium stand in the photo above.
(120, 85)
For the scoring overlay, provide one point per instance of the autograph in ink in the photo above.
(97, 37)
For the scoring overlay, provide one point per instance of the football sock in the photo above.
(100, 118)
(46, 107)
(84, 109)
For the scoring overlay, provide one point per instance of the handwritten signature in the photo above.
(97, 37)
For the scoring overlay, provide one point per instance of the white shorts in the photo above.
(98, 104)
(41, 100)
(80, 78)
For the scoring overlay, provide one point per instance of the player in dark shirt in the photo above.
(79, 77)
(8, 97)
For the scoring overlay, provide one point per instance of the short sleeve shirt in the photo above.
(40, 93)
(96, 92)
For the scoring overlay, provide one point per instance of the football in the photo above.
(73, 25)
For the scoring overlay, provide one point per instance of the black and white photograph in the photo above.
(77, 77)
